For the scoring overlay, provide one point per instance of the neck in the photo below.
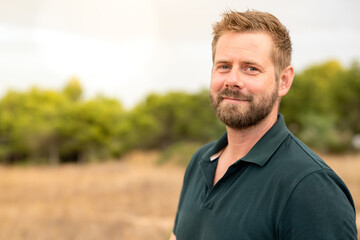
(240, 141)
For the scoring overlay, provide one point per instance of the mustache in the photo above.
(235, 94)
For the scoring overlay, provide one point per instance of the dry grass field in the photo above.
(129, 199)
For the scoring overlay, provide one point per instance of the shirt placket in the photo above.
(211, 192)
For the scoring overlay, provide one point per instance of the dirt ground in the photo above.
(129, 199)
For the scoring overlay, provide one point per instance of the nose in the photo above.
(234, 79)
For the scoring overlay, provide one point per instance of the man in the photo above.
(258, 181)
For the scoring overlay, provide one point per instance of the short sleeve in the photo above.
(320, 207)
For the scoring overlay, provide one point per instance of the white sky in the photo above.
(128, 48)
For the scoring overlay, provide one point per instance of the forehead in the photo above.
(242, 45)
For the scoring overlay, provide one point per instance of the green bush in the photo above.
(322, 108)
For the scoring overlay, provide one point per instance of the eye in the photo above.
(251, 70)
(224, 68)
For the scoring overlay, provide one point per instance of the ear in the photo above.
(285, 81)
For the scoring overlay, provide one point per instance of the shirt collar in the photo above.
(268, 144)
(216, 155)
(263, 149)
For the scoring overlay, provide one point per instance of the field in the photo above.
(129, 199)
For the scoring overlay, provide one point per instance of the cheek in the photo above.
(261, 86)
(255, 87)
(216, 83)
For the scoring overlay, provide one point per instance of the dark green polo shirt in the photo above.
(279, 190)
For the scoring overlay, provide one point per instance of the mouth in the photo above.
(234, 97)
(234, 100)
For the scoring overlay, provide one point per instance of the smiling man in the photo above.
(258, 181)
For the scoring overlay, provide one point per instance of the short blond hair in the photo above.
(255, 21)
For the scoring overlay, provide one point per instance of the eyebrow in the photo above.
(221, 61)
(252, 63)
(244, 62)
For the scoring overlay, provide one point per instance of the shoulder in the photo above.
(308, 153)
(319, 207)
(317, 199)
(315, 176)
(299, 170)
(294, 157)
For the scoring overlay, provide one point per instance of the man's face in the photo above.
(243, 88)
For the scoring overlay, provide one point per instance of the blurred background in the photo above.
(102, 104)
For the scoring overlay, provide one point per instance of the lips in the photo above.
(234, 99)
(233, 95)
(237, 96)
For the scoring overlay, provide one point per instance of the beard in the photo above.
(240, 116)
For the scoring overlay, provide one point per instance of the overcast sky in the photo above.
(128, 48)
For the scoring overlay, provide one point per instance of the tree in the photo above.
(73, 89)
(89, 129)
(346, 93)
(322, 106)
(29, 124)
(181, 117)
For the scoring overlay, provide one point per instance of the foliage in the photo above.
(30, 123)
(58, 126)
(322, 108)
(73, 89)
(88, 130)
(180, 117)
(346, 92)
(43, 124)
